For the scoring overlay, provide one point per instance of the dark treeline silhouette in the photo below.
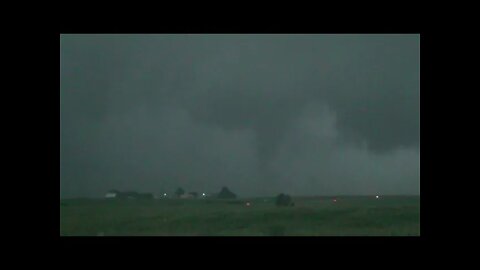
(225, 193)
(179, 192)
(284, 200)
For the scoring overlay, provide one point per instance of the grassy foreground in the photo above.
(320, 216)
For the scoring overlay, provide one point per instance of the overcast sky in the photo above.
(260, 114)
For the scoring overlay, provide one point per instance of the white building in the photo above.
(111, 194)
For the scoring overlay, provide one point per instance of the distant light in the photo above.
(164, 194)
(334, 200)
(203, 194)
(376, 196)
(248, 204)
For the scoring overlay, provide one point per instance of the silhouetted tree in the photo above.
(284, 200)
(225, 193)
(179, 192)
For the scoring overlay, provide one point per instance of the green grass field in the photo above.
(349, 216)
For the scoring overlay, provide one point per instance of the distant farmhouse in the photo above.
(189, 195)
(111, 194)
(115, 194)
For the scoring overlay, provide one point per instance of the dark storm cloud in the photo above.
(305, 114)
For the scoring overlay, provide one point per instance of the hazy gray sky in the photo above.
(260, 114)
